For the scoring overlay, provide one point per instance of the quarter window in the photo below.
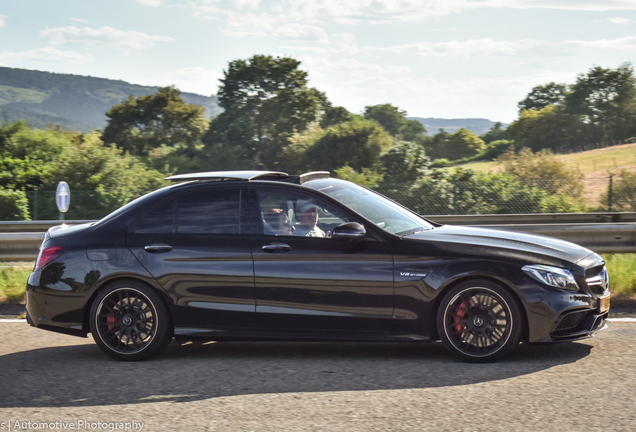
(159, 220)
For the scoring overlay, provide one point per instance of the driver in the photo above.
(276, 222)
(307, 215)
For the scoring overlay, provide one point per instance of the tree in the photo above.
(26, 155)
(394, 121)
(357, 144)
(607, 100)
(543, 95)
(458, 145)
(139, 125)
(367, 177)
(102, 178)
(331, 116)
(496, 133)
(548, 128)
(266, 100)
(404, 164)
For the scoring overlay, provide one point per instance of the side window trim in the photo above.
(243, 214)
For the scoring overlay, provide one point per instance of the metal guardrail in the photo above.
(534, 219)
(601, 232)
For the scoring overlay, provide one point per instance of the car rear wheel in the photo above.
(129, 321)
(479, 321)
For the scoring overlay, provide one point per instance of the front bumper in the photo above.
(565, 318)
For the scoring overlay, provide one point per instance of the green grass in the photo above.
(13, 279)
(622, 272)
(610, 159)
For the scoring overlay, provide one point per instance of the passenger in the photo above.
(276, 222)
(307, 215)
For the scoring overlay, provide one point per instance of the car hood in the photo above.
(532, 248)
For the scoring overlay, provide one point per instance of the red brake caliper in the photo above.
(111, 320)
(459, 314)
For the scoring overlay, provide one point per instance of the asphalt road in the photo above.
(46, 377)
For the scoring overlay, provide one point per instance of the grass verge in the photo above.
(622, 272)
(13, 279)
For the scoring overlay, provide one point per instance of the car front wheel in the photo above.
(129, 321)
(479, 321)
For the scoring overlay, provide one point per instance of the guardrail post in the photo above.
(609, 194)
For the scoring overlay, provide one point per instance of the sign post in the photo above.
(63, 198)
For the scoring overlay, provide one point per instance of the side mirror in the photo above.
(349, 230)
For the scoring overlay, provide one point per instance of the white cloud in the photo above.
(101, 37)
(207, 9)
(80, 20)
(318, 12)
(247, 4)
(2, 20)
(302, 32)
(620, 44)
(47, 54)
(345, 45)
(151, 3)
(618, 20)
(580, 5)
(469, 48)
(191, 80)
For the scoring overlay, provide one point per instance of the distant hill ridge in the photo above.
(79, 103)
(478, 126)
(75, 102)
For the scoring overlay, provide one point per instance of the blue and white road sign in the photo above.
(63, 196)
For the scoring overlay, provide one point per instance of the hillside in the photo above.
(595, 165)
(478, 126)
(76, 102)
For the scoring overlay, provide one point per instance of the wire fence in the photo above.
(501, 195)
(428, 197)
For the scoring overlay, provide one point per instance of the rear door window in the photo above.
(216, 211)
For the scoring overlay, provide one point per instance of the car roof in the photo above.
(249, 175)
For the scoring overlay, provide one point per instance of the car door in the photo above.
(313, 285)
(197, 246)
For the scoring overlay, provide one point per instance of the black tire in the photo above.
(130, 322)
(479, 321)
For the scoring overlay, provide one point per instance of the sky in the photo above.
(431, 58)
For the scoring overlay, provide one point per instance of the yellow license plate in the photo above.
(604, 304)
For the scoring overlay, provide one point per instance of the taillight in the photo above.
(47, 255)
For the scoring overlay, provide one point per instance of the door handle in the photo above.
(276, 247)
(159, 248)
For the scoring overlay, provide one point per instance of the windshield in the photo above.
(384, 213)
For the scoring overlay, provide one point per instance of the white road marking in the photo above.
(12, 320)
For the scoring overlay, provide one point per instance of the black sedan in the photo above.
(255, 255)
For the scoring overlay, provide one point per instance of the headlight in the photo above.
(553, 276)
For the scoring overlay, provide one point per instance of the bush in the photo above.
(542, 170)
(13, 205)
(623, 193)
